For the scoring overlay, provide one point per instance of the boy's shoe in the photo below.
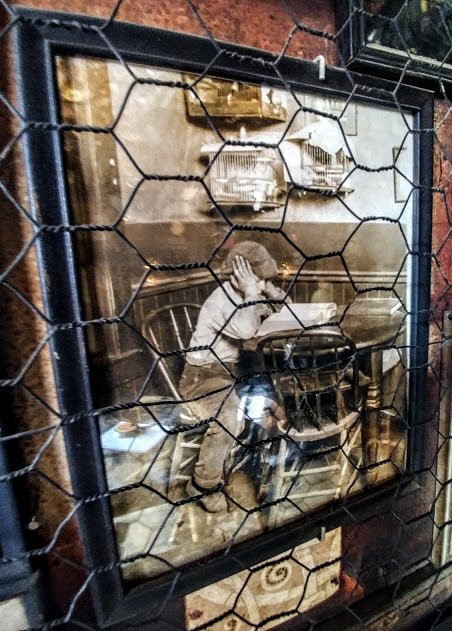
(215, 503)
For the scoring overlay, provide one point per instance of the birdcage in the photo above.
(244, 175)
(233, 99)
(323, 160)
(322, 169)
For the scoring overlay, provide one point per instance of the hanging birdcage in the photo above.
(325, 158)
(244, 175)
(322, 169)
(233, 99)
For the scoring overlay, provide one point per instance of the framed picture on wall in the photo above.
(395, 37)
(236, 348)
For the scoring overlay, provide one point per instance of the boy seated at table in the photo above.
(208, 379)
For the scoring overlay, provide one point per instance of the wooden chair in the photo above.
(170, 328)
(167, 329)
(316, 375)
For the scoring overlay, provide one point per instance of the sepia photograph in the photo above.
(251, 270)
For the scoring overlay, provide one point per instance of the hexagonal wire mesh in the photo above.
(246, 257)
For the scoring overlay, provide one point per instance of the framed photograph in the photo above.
(395, 36)
(237, 360)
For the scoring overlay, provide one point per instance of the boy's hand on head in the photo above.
(244, 279)
(273, 292)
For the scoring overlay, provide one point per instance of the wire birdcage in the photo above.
(322, 169)
(244, 176)
(233, 99)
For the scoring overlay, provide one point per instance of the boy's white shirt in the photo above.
(222, 325)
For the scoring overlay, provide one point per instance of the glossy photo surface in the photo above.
(252, 273)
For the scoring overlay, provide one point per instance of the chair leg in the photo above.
(175, 468)
(343, 462)
(278, 483)
(348, 443)
(185, 453)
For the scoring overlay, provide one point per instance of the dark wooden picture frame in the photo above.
(40, 37)
(361, 55)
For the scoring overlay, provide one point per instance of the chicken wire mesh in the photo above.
(247, 306)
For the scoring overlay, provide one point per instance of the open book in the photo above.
(297, 315)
